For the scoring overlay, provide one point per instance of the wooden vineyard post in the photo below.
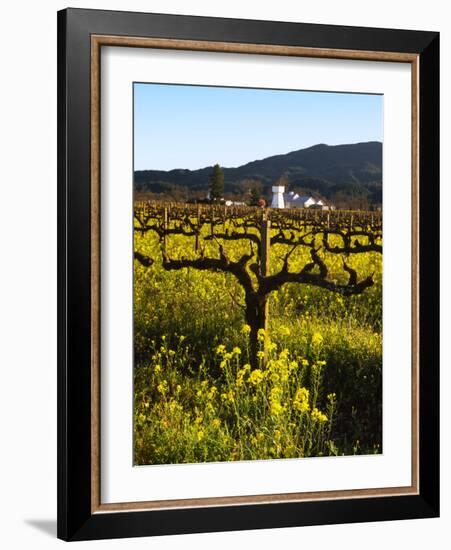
(196, 246)
(165, 228)
(265, 246)
(265, 258)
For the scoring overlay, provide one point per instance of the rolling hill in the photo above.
(352, 170)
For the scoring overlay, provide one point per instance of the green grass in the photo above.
(181, 318)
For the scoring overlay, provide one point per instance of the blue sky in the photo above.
(177, 126)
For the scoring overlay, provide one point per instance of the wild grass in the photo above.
(198, 400)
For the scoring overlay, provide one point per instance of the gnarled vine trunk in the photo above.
(256, 318)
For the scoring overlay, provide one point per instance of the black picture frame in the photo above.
(76, 521)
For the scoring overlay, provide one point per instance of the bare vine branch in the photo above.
(238, 268)
(146, 261)
(305, 275)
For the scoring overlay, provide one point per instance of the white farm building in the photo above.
(280, 199)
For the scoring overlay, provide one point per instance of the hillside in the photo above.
(353, 170)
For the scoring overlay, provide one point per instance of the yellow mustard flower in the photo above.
(276, 408)
(284, 354)
(255, 377)
(240, 377)
(163, 387)
(274, 400)
(301, 400)
(229, 396)
(284, 331)
(317, 339)
(317, 415)
(212, 392)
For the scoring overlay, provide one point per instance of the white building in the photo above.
(293, 200)
(280, 199)
(234, 203)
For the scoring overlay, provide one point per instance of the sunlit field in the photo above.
(314, 387)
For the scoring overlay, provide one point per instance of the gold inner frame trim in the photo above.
(97, 41)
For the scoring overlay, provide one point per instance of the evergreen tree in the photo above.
(255, 196)
(216, 183)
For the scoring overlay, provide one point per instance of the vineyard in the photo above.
(257, 333)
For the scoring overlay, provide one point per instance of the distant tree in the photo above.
(343, 201)
(255, 196)
(282, 181)
(216, 183)
(340, 200)
(359, 203)
(247, 183)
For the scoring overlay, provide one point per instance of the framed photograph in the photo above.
(248, 274)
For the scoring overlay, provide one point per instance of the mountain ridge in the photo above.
(350, 169)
